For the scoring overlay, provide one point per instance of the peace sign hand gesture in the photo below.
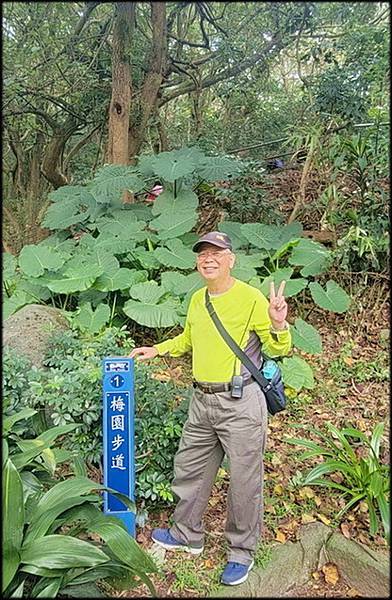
(277, 309)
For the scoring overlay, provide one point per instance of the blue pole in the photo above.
(119, 437)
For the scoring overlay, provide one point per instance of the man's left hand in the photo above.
(277, 309)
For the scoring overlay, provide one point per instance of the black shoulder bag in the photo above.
(273, 388)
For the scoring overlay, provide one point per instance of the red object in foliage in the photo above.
(156, 190)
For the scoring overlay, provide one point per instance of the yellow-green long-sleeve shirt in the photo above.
(243, 310)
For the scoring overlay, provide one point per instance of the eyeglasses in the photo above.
(215, 254)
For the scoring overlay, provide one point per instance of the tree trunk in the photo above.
(54, 152)
(152, 82)
(117, 151)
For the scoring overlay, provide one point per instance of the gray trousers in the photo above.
(218, 424)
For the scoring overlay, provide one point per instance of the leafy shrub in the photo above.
(15, 381)
(249, 202)
(36, 550)
(69, 390)
(364, 476)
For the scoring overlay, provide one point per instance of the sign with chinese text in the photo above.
(118, 437)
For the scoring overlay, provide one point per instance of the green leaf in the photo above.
(62, 552)
(174, 222)
(185, 201)
(9, 266)
(175, 164)
(216, 168)
(152, 315)
(148, 292)
(40, 525)
(8, 422)
(179, 284)
(329, 466)
(123, 546)
(111, 181)
(91, 320)
(296, 373)
(76, 486)
(306, 337)
(334, 298)
(112, 243)
(124, 226)
(277, 277)
(383, 506)
(376, 438)
(65, 213)
(233, 230)
(175, 254)
(146, 258)
(14, 303)
(313, 256)
(76, 277)
(119, 280)
(261, 236)
(33, 260)
(13, 521)
(294, 286)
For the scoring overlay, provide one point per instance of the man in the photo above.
(218, 423)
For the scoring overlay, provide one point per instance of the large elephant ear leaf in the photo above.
(72, 205)
(296, 373)
(151, 314)
(175, 164)
(233, 230)
(313, 256)
(149, 292)
(118, 280)
(174, 223)
(175, 254)
(111, 181)
(92, 320)
(186, 200)
(306, 337)
(215, 168)
(9, 266)
(179, 284)
(77, 277)
(277, 277)
(33, 260)
(333, 298)
(262, 236)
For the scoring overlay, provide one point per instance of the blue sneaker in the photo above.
(235, 573)
(164, 538)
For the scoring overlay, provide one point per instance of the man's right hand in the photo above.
(144, 352)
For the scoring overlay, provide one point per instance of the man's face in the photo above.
(214, 263)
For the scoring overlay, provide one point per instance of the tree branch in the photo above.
(186, 88)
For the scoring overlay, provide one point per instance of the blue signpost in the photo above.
(118, 437)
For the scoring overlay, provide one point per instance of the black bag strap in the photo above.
(244, 358)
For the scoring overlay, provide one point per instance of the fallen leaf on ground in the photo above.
(331, 573)
(278, 489)
(280, 537)
(316, 575)
(307, 518)
(345, 530)
(324, 519)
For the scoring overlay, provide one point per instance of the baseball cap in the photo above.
(217, 238)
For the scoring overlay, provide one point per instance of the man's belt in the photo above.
(215, 388)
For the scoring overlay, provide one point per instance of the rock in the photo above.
(157, 553)
(28, 330)
(360, 567)
(292, 563)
